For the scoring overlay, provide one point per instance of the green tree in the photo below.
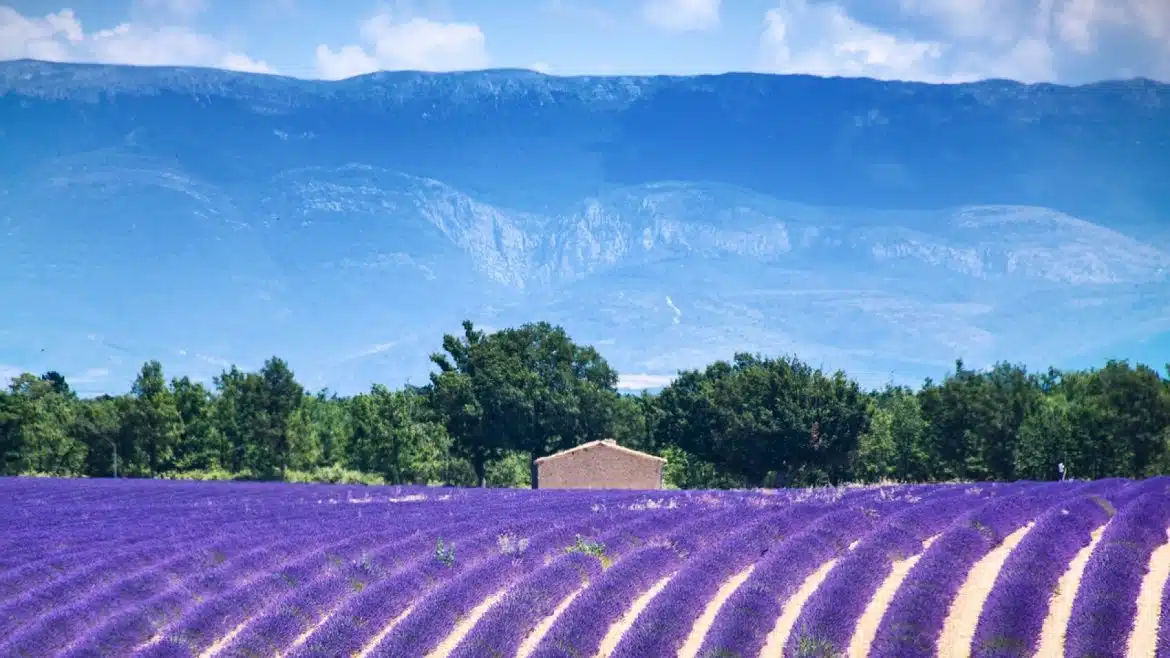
(975, 420)
(280, 397)
(153, 424)
(320, 431)
(236, 415)
(478, 393)
(635, 421)
(1048, 438)
(98, 423)
(389, 439)
(35, 418)
(766, 419)
(566, 392)
(894, 447)
(199, 441)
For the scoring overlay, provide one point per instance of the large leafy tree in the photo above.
(478, 392)
(239, 416)
(280, 396)
(35, 419)
(153, 424)
(894, 447)
(98, 423)
(198, 445)
(390, 438)
(766, 420)
(320, 431)
(570, 390)
(530, 389)
(976, 418)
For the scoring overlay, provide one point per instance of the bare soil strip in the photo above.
(774, 645)
(694, 641)
(867, 625)
(1060, 606)
(1143, 639)
(377, 639)
(533, 640)
(465, 625)
(614, 635)
(304, 637)
(962, 618)
(222, 642)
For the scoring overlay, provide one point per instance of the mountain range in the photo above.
(205, 217)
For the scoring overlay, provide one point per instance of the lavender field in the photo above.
(157, 568)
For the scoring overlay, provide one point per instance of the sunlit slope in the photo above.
(1076, 569)
(203, 217)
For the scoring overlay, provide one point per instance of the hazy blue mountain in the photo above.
(200, 216)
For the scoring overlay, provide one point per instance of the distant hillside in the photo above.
(887, 228)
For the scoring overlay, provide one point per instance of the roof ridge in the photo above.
(609, 443)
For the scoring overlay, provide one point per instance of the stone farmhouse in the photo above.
(599, 465)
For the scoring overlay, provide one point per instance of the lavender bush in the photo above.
(1015, 610)
(914, 620)
(1106, 602)
(829, 616)
(580, 630)
(743, 624)
(502, 630)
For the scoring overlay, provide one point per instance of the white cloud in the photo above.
(541, 67)
(417, 44)
(682, 15)
(241, 62)
(61, 37)
(1076, 22)
(970, 19)
(344, 63)
(639, 382)
(1029, 36)
(823, 39)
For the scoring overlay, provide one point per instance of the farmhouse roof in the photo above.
(608, 443)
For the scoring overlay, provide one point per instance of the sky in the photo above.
(1066, 41)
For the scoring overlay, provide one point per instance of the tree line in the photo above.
(496, 401)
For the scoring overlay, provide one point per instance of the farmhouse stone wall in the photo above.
(599, 467)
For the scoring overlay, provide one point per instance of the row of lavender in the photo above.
(246, 570)
(102, 568)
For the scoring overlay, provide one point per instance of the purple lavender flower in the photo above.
(1018, 603)
(831, 613)
(501, 631)
(914, 620)
(744, 622)
(1106, 602)
(581, 628)
(664, 624)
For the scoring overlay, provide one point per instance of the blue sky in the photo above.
(932, 40)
